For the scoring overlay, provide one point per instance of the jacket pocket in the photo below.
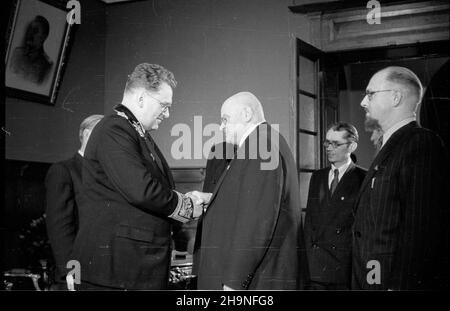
(133, 233)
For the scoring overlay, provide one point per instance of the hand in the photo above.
(199, 197)
(200, 200)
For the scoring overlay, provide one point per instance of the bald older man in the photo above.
(400, 241)
(251, 234)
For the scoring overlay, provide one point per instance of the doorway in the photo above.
(357, 67)
(341, 79)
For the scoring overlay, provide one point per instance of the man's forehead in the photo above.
(335, 134)
(377, 80)
(227, 108)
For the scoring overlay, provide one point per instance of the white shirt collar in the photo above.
(248, 132)
(395, 128)
(341, 169)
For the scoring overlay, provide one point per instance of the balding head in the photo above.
(407, 82)
(246, 100)
(239, 112)
(392, 95)
(86, 128)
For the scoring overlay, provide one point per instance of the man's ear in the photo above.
(247, 114)
(397, 98)
(353, 146)
(140, 98)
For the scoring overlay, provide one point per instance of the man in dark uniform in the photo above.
(129, 203)
(63, 194)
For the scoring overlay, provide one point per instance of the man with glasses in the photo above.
(332, 193)
(400, 240)
(129, 206)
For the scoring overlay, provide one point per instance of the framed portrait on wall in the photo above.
(37, 48)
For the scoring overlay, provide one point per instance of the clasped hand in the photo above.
(200, 201)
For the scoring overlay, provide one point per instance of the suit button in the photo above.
(357, 234)
(315, 246)
(338, 231)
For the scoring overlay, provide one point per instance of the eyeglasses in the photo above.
(223, 121)
(370, 94)
(165, 107)
(334, 144)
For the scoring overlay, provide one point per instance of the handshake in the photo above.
(200, 201)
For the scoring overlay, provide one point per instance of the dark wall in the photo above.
(43, 133)
(215, 48)
(24, 202)
(39, 134)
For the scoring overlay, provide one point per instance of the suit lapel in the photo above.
(341, 183)
(152, 148)
(323, 199)
(219, 182)
(155, 154)
(384, 153)
(325, 191)
(162, 163)
(241, 156)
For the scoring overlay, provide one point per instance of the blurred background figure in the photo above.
(63, 189)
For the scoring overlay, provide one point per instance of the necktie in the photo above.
(335, 181)
(379, 144)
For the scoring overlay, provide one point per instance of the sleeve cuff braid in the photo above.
(184, 210)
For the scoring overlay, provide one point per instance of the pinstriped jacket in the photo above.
(401, 212)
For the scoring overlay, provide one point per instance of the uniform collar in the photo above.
(124, 112)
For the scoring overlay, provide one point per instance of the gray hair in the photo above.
(89, 123)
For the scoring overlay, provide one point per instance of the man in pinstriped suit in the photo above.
(400, 242)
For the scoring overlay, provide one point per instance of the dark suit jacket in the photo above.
(250, 233)
(328, 225)
(401, 214)
(63, 187)
(218, 159)
(124, 239)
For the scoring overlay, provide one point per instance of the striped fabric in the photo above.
(401, 214)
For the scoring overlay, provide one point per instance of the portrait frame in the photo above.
(38, 44)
